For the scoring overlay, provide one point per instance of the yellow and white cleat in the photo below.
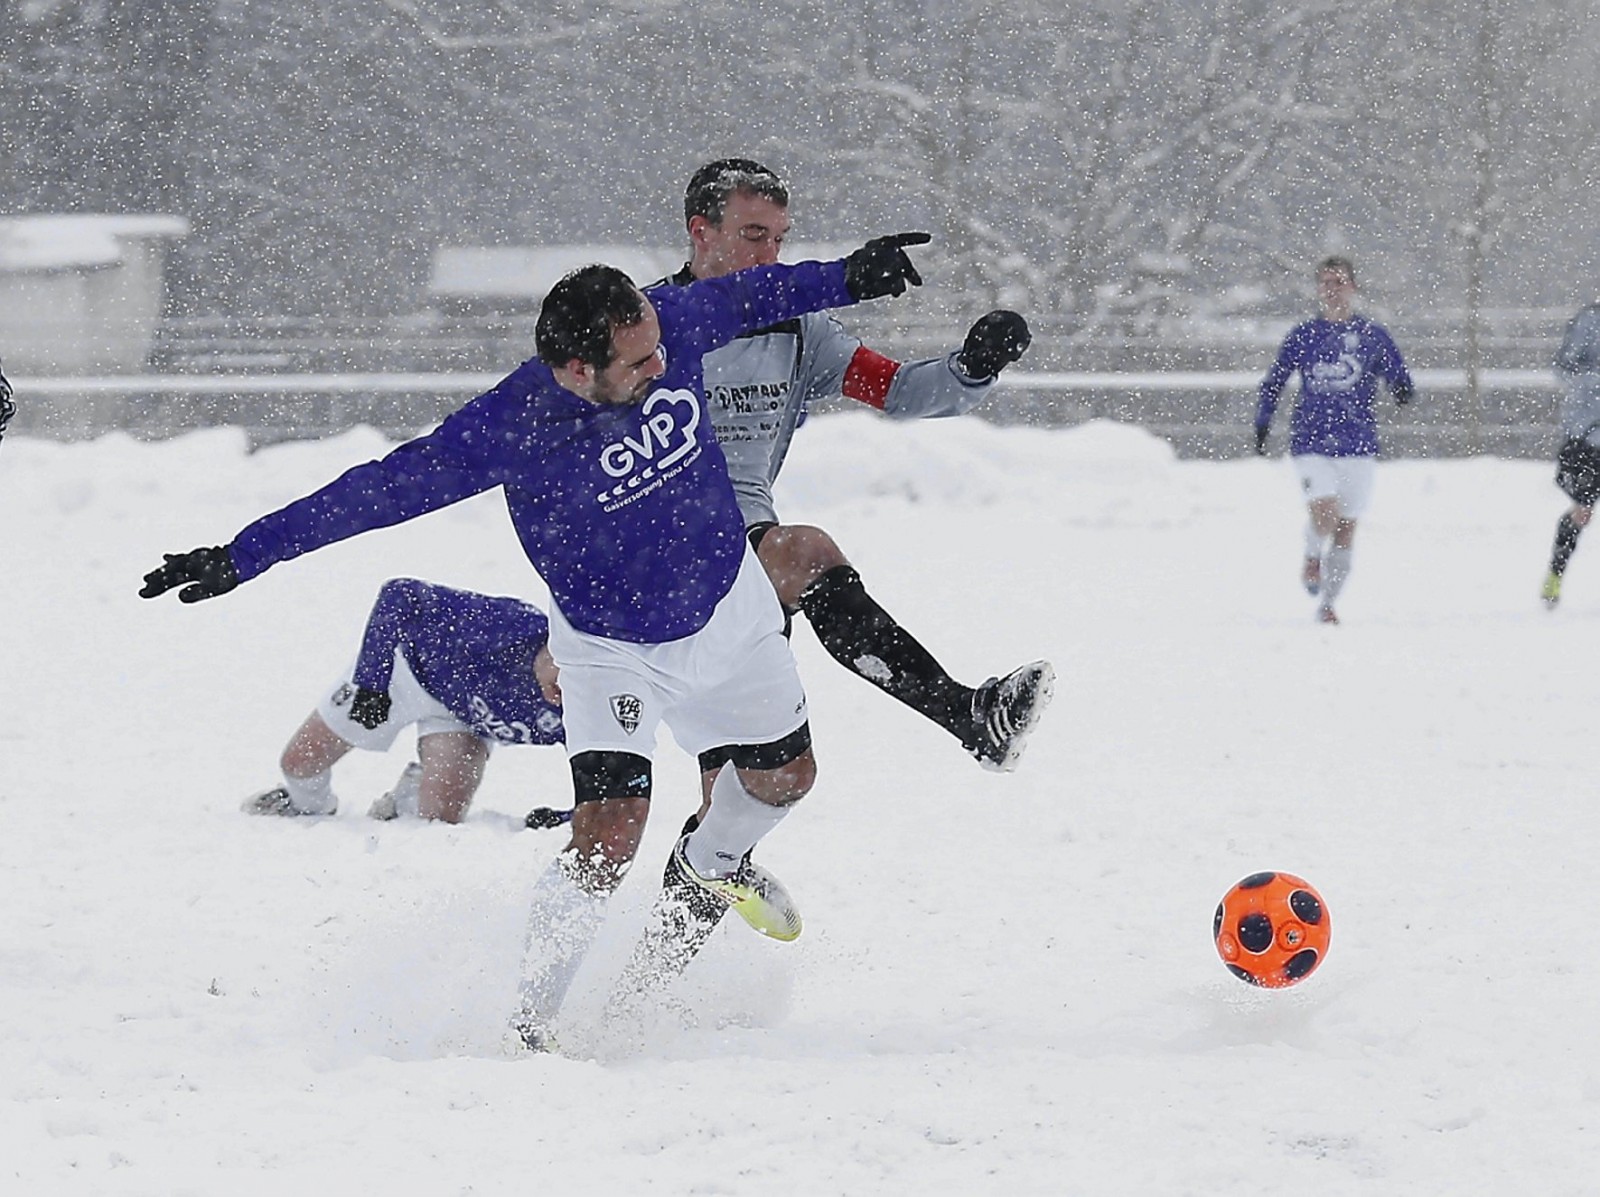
(1550, 592)
(751, 892)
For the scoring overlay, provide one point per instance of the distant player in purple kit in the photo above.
(660, 611)
(1333, 434)
(468, 670)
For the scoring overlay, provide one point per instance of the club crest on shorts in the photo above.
(343, 694)
(626, 709)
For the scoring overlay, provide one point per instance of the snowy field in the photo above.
(1007, 983)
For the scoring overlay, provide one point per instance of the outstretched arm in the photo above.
(711, 312)
(930, 388)
(420, 476)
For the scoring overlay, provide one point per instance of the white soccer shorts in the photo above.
(1347, 479)
(732, 682)
(410, 704)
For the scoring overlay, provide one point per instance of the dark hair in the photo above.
(1343, 265)
(580, 313)
(714, 182)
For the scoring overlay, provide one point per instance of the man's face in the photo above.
(1337, 290)
(636, 362)
(751, 234)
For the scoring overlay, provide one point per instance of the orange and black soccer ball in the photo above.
(1272, 930)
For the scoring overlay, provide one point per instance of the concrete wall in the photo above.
(1201, 415)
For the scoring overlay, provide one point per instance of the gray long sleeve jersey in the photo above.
(1578, 367)
(759, 387)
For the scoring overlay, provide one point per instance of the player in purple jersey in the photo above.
(1333, 433)
(468, 670)
(660, 612)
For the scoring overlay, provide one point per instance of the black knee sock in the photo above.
(1566, 543)
(866, 640)
(705, 907)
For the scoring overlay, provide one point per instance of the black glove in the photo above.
(1261, 440)
(881, 267)
(370, 708)
(541, 818)
(210, 572)
(993, 343)
(1401, 397)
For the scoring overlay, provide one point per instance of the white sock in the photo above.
(312, 795)
(735, 823)
(1313, 540)
(562, 923)
(407, 791)
(1335, 569)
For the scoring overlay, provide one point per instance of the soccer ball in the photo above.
(1272, 930)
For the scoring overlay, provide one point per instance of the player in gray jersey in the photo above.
(1578, 463)
(758, 390)
(7, 408)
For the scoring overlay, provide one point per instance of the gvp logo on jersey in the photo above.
(665, 445)
(1342, 374)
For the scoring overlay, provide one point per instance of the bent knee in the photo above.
(796, 555)
(784, 785)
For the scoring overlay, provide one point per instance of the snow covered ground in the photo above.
(1006, 984)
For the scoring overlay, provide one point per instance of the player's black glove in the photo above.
(542, 818)
(1402, 397)
(7, 408)
(993, 343)
(1261, 440)
(881, 267)
(208, 572)
(370, 708)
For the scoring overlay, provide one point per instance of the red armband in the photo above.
(868, 377)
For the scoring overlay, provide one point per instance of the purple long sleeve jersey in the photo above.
(627, 512)
(473, 652)
(1340, 365)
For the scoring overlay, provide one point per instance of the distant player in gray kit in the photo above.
(1341, 356)
(1578, 462)
(467, 670)
(7, 407)
(758, 390)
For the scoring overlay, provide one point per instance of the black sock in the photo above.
(1566, 543)
(866, 640)
(705, 908)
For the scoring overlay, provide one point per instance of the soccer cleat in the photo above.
(1325, 615)
(527, 1034)
(1006, 710)
(1311, 576)
(751, 892)
(402, 799)
(276, 801)
(1550, 592)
